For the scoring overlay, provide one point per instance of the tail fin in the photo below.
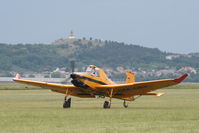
(130, 77)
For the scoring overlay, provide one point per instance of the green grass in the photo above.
(16, 86)
(185, 86)
(40, 111)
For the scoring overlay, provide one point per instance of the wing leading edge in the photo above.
(60, 88)
(141, 88)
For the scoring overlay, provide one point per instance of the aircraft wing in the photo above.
(60, 88)
(141, 88)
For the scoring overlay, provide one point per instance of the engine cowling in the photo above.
(80, 84)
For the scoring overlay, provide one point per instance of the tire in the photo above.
(107, 105)
(67, 103)
(125, 105)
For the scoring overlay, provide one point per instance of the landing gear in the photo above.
(67, 103)
(125, 104)
(107, 105)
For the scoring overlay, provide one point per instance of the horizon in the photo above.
(171, 26)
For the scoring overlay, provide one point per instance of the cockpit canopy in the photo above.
(93, 71)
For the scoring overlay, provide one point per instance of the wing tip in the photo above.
(18, 76)
(181, 78)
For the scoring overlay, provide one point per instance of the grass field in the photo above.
(40, 111)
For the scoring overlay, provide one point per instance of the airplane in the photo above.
(95, 83)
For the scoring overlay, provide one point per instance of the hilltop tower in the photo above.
(71, 36)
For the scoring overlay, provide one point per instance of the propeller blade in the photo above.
(72, 66)
(67, 80)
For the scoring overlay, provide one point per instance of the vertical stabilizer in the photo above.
(130, 77)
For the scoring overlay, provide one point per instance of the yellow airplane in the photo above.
(95, 83)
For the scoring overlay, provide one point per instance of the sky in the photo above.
(169, 25)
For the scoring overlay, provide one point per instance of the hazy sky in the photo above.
(170, 25)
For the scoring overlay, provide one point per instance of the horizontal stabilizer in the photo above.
(156, 94)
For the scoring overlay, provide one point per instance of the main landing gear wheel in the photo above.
(67, 103)
(107, 104)
(125, 104)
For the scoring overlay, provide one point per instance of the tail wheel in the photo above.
(125, 104)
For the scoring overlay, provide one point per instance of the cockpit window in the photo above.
(92, 71)
(89, 69)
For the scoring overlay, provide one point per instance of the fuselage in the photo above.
(91, 79)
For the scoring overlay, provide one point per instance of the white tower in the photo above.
(71, 36)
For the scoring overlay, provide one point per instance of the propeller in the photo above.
(72, 63)
(72, 66)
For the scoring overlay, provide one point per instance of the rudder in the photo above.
(130, 77)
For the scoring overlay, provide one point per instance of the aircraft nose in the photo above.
(73, 76)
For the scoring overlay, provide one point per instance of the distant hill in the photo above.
(116, 57)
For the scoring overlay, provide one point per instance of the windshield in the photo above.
(92, 71)
(89, 69)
